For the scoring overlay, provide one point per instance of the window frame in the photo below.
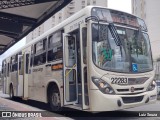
(51, 47)
(39, 53)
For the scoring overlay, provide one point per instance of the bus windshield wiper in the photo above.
(115, 34)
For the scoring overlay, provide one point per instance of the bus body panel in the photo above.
(102, 102)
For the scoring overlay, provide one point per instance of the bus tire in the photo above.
(11, 93)
(54, 100)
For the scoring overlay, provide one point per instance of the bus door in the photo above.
(20, 76)
(26, 74)
(70, 69)
(4, 77)
(83, 57)
(7, 77)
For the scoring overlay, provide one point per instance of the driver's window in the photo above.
(101, 48)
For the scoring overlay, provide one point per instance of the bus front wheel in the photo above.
(54, 100)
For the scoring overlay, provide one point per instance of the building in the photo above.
(149, 11)
(70, 9)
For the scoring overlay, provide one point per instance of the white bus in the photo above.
(97, 60)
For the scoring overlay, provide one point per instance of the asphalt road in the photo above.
(131, 113)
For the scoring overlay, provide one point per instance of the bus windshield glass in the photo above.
(133, 55)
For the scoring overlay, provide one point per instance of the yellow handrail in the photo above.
(70, 70)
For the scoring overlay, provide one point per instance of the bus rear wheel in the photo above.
(11, 93)
(54, 100)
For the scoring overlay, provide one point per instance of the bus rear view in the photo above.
(121, 66)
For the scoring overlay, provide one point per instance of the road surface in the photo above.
(20, 105)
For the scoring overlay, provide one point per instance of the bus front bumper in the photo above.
(103, 102)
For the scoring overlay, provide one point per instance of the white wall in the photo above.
(151, 16)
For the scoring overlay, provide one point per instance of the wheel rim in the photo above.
(56, 100)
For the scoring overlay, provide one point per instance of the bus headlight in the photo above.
(103, 86)
(151, 86)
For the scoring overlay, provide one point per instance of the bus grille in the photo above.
(127, 90)
(132, 99)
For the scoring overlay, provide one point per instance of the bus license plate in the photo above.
(119, 81)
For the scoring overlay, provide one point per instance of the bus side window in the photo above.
(31, 56)
(55, 47)
(40, 53)
(5, 69)
(16, 62)
(20, 64)
(21, 68)
(13, 63)
(8, 70)
(2, 67)
(27, 63)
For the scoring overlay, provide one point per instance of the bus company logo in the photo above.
(132, 89)
(37, 70)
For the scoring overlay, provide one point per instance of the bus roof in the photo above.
(82, 12)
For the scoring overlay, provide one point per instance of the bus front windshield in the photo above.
(133, 55)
